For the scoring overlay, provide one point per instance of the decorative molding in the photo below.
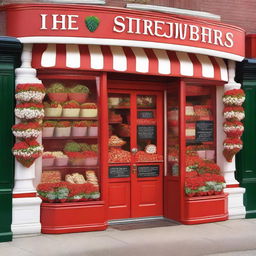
(170, 10)
(26, 216)
(129, 43)
(236, 209)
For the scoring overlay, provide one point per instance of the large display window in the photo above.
(70, 137)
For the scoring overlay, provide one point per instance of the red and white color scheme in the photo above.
(131, 60)
(101, 41)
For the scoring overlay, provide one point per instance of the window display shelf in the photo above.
(71, 138)
(70, 167)
(70, 118)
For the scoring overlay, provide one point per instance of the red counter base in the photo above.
(205, 209)
(57, 218)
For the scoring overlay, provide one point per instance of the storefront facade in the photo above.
(155, 83)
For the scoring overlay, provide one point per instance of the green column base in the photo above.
(5, 215)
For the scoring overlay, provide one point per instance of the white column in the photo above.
(236, 208)
(26, 210)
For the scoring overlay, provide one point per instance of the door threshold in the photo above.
(141, 223)
(133, 220)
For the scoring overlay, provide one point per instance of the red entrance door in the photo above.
(135, 180)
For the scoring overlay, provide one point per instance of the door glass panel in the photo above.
(147, 129)
(119, 128)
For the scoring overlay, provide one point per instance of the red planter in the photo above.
(57, 218)
(79, 97)
(205, 209)
(58, 97)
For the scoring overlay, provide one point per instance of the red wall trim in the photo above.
(22, 195)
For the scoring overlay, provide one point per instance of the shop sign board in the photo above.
(145, 171)
(146, 132)
(204, 131)
(119, 171)
(122, 26)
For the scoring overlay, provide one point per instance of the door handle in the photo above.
(134, 150)
(134, 168)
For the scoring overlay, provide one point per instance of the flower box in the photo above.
(76, 161)
(58, 97)
(205, 209)
(62, 131)
(79, 97)
(53, 112)
(70, 217)
(79, 131)
(210, 154)
(70, 112)
(47, 162)
(90, 161)
(61, 161)
(89, 112)
(201, 154)
(92, 131)
(48, 131)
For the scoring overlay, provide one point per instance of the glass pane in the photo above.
(70, 135)
(147, 129)
(200, 123)
(119, 128)
(173, 131)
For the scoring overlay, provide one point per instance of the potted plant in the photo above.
(89, 110)
(235, 97)
(29, 110)
(71, 109)
(48, 128)
(233, 129)
(53, 192)
(72, 147)
(231, 147)
(234, 113)
(52, 109)
(26, 130)
(57, 92)
(78, 93)
(92, 128)
(30, 92)
(63, 129)
(85, 147)
(60, 158)
(76, 158)
(47, 159)
(26, 152)
(90, 158)
(79, 128)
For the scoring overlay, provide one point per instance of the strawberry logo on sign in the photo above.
(92, 23)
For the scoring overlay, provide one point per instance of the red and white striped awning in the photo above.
(128, 60)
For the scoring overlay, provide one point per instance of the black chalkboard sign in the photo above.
(146, 132)
(147, 171)
(119, 171)
(204, 131)
(145, 114)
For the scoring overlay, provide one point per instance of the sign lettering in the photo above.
(172, 30)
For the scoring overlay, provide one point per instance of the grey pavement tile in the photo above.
(235, 253)
(66, 245)
(11, 250)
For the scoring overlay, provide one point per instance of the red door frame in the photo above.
(145, 90)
